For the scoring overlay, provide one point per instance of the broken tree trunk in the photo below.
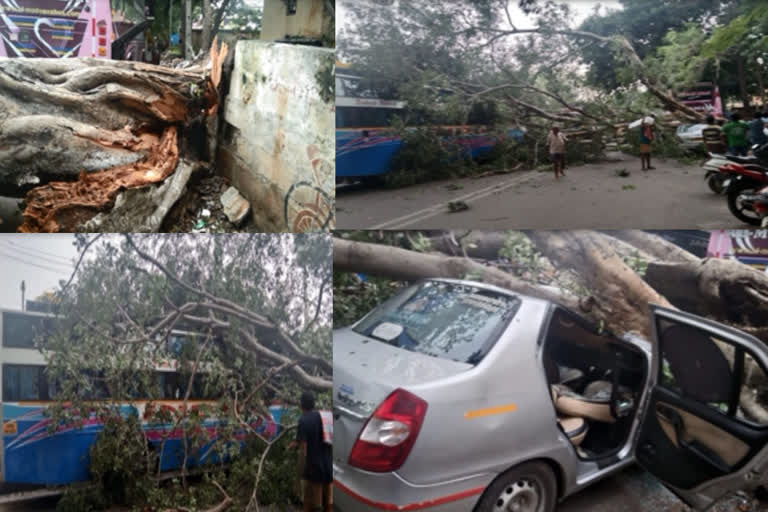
(76, 132)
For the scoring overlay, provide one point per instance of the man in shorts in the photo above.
(646, 139)
(556, 143)
(314, 458)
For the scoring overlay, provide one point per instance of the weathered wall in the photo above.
(278, 141)
(310, 20)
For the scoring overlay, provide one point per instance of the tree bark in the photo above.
(189, 51)
(742, 82)
(406, 265)
(725, 290)
(207, 25)
(76, 132)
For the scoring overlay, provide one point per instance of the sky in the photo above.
(581, 10)
(41, 260)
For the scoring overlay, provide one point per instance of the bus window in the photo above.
(24, 382)
(365, 117)
(20, 330)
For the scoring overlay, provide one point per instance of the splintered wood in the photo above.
(64, 204)
(85, 129)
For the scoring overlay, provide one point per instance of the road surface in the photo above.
(674, 195)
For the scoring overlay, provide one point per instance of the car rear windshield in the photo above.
(441, 319)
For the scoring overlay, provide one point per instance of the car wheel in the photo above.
(741, 209)
(529, 487)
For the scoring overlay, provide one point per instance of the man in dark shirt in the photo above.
(314, 457)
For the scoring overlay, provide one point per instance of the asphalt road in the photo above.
(673, 195)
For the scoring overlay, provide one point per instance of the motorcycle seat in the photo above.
(743, 159)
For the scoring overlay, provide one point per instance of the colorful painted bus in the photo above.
(749, 246)
(55, 28)
(365, 146)
(703, 97)
(34, 453)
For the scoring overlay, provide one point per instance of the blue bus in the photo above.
(365, 145)
(34, 453)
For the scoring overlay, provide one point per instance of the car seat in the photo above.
(593, 404)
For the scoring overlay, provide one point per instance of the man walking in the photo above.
(736, 133)
(556, 143)
(314, 458)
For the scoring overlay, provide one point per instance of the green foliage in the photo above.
(636, 263)
(353, 297)
(645, 23)
(519, 249)
(680, 62)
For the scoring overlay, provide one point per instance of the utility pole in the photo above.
(23, 289)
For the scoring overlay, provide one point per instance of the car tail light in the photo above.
(388, 436)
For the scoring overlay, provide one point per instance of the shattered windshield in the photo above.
(448, 320)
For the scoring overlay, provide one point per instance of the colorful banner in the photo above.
(55, 28)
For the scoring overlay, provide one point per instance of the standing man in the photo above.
(314, 458)
(756, 127)
(714, 140)
(736, 133)
(556, 143)
(646, 139)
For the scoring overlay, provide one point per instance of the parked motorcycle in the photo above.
(744, 183)
(759, 204)
(717, 181)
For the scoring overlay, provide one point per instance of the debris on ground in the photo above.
(498, 171)
(628, 187)
(454, 186)
(622, 173)
(200, 209)
(235, 206)
(457, 206)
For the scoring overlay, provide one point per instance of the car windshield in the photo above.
(448, 320)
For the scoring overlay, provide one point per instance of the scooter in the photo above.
(744, 183)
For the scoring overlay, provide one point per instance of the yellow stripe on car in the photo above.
(488, 411)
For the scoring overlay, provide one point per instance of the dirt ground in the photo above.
(593, 196)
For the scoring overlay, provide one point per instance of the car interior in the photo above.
(596, 382)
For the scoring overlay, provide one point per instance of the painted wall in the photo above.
(278, 144)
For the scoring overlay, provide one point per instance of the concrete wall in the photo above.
(278, 140)
(309, 21)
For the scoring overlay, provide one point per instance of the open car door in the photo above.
(704, 430)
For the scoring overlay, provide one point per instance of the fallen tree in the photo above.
(243, 320)
(608, 290)
(74, 133)
(618, 274)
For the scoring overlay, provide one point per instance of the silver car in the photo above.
(459, 396)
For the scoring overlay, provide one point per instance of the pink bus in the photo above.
(55, 28)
